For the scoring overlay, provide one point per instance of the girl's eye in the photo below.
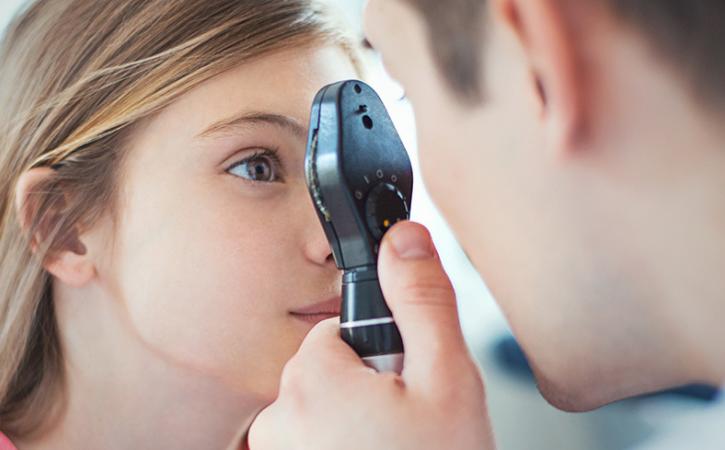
(260, 167)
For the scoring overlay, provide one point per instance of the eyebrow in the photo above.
(255, 118)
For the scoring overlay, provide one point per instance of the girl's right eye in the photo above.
(261, 167)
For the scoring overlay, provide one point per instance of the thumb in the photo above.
(423, 303)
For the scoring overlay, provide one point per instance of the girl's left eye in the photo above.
(262, 167)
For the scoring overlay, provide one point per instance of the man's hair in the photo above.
(689, 34)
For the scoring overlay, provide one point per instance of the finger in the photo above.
(262, 432)
(324, 353)
(422, 300)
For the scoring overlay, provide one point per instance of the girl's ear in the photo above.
(68, 259)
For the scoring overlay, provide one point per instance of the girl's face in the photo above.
(218, 245)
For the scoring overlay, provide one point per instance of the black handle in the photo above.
(366, 322)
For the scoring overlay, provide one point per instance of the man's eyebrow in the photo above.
(255, 118)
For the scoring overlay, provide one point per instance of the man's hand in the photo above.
(329, 400)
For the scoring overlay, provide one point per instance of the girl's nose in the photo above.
(317, 247)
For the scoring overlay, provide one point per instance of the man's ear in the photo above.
(67, 259)
(547, 36)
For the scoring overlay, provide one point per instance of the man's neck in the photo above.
(681, 194)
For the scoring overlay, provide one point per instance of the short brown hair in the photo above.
(689, 33)
(455, 35)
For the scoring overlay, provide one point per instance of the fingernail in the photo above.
(412, 242)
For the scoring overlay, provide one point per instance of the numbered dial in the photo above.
(384, 207)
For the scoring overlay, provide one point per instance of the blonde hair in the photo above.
(76, 76)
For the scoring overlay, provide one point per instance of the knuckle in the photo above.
(293, 398)
(322, 329)
(429, 292)
(293, 375)
(391, 381)
(320, 336)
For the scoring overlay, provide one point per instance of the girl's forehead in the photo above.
(284, 82)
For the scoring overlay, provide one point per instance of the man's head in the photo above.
(575, 149)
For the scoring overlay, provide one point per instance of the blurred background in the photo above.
(521, 417)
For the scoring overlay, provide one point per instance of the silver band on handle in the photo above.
(367, 322)
(392, 362)
(386, 363)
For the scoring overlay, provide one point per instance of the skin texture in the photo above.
(176, 319)
(586, 188)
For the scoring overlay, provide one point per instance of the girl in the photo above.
(161, 258)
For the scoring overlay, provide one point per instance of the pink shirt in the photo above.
(5, 443)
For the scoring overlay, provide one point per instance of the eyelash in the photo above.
(272, 154)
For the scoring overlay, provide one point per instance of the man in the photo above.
(576, 149)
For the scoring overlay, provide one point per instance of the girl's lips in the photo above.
(329, 307)
(319, 311)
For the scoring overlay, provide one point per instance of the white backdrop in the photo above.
(7, 9)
